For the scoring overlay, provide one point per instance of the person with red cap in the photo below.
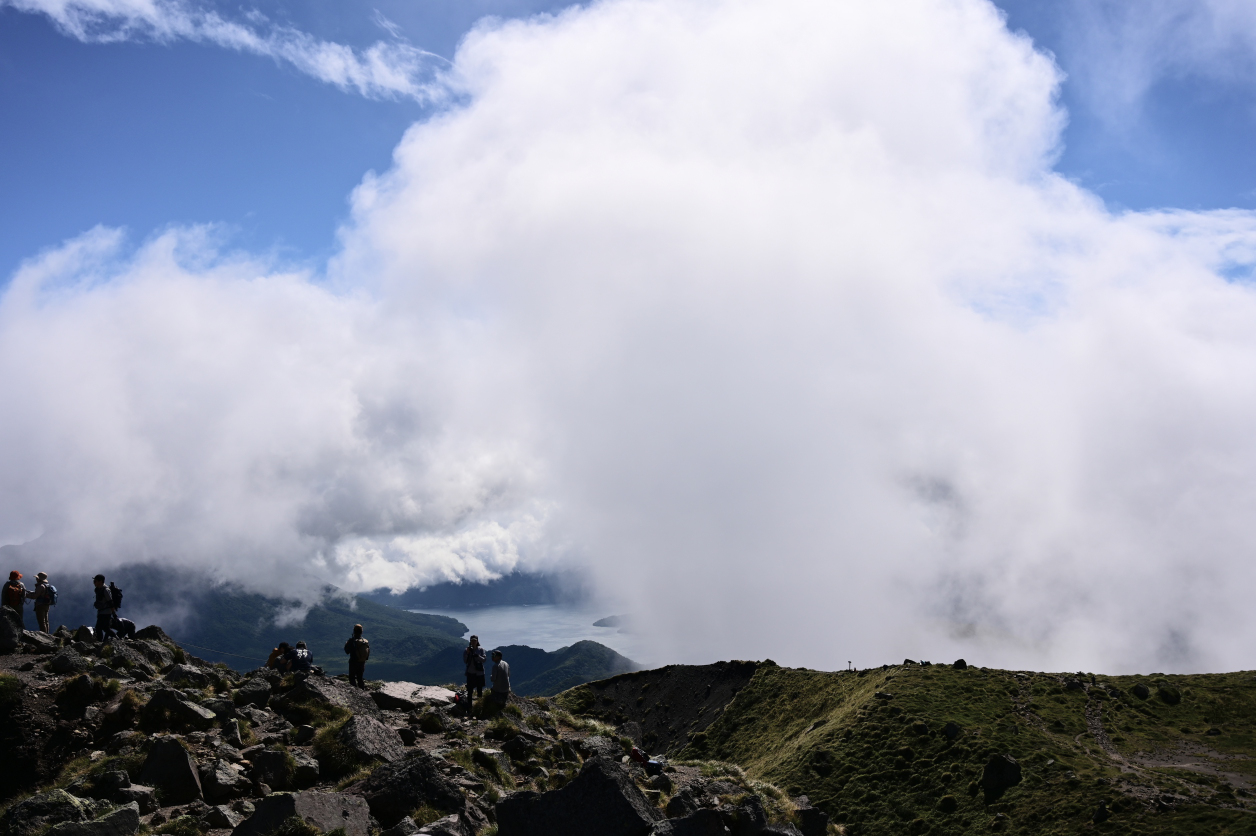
(14, 595)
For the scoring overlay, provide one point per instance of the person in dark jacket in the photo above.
(359, 650)
(43, 600)
(473, 658)
(298, 659)
(104, 610)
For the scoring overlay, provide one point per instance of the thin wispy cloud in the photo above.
(385, 69)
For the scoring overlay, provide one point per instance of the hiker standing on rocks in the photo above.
(359, 650)
(45, 596)
(501, 679)
(104, 610)
(473, 657)
(15, 595)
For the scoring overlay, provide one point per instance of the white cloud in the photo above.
(384, 69)
(774, 314)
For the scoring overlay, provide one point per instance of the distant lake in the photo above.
(547, 626)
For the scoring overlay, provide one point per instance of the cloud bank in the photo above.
(774, 317)
(386, 69)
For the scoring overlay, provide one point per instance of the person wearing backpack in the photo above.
(104, 609)
(15, 595)
(45, 596)
(473, 657)
(298, 659)
(359, 650)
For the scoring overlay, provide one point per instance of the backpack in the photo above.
(361, 650)
(52, 595)
(13, 596)
(116, 595)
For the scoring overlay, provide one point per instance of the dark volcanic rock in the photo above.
(123, 821)
(171, 769)
(1170, 695)
(324, 810)
(697, 823)
(10, 630)
(168, 708)
(254, 692)
(370, 739)
(221, 781)
(812, 821)
(44, 809)
(37, 642)
(329, 691)
(960, 665)
(68, 661)
(746, 819)
(951, 730)
(1001, 773)
(273, 767)
(394, 790)
(192, 676)
(1141, 691)
(405, 827)
(602, 799)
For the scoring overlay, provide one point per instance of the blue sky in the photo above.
(144, 134)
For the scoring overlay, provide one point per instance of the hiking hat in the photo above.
(475, 638)
(42, 576)
(15, 575)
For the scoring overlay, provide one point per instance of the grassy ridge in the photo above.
(882, 764)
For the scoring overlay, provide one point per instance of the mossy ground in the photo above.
(882, 764)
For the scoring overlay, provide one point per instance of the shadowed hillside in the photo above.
(920, 748)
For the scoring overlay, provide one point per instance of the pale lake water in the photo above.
(547, 626)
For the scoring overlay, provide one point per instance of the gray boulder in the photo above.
(448, 826)
(171, 769)
(222, 780)
(255, 691)
(397, 696)
(370, 739)
(394, 790)
(103, 671)
(812, 821)
(272, 767)
(153, 633)
(172, 708)
(405, 827)
(10, 630)
(221, 818)
(157, 654)
(44, 809)
(194, 677)
(697, 823)
(124, 821)
(144, 797)
(231, 734)
(324, 810)
(747, 818)
(598, 746)
(328, 691)
(1001, 773)
(37, 642)
(306, 774)
(68, 661)
(602, 799)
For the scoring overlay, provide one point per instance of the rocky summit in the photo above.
(138, 736)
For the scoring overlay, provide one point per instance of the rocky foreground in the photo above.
(138, 736)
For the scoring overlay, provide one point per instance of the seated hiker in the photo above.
(276, 660)
(298, 659)
(359, 650)
(15, 594)
(125, 627)
(501, 679)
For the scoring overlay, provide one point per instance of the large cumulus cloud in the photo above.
(774, 316)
